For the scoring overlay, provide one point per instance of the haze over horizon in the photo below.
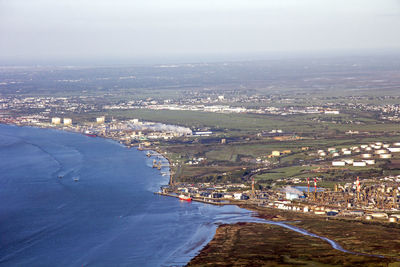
(71, 31)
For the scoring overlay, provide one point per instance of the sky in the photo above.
(73, 30)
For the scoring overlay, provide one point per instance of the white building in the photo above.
(55, 120)
(237, 196)
(100, 119)
(67, 121)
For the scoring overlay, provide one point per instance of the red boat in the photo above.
(90, 134)
(186, 198)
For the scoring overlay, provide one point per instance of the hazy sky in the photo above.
(106, 29)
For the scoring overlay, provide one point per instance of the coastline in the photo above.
(198, 250)
(198, 244)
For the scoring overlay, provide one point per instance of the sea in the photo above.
(67, 199)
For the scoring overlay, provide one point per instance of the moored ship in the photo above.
(90, 134)
(186, 198)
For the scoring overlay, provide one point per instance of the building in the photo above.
(100, 119)
(67, 121)
(275, 153)
(55, 120)
(237, 196)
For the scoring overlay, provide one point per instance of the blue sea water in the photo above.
(110, 217)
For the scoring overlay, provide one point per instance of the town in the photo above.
(43, 107)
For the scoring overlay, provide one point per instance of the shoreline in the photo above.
(196, 249)
(240, 205)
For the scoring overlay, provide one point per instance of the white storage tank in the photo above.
(369, 161)
(381, 151)
(385, 156)
(366, 156)
(380, 215)
(349, 161)
(394, 149)
(338, 163)
(359, 164)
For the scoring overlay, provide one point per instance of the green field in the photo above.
(246, 144)
(286, 172)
